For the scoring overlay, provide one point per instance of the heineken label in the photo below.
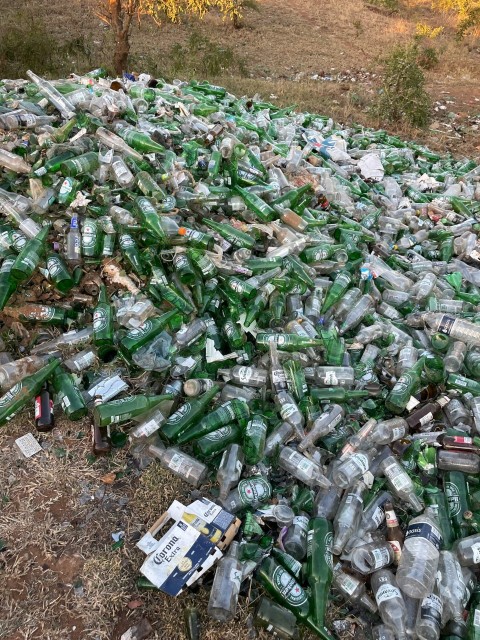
(288, 587)
(387, 592)
(180, 414)
(403, 383)
(180, 261)
(426, 531)
(254, 491)
(453, 497)
(126, 241)
(89, 235)
(8, 397)
(139, 332)
(18, 240)
(431, 608)
(219, 434)
(244, 374)
(328, 549)
(100, 320)
(54, 266)
(7, 265)
(40, 313)
(67, 186)
(254, 427)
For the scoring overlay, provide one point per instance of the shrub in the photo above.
(403, 96)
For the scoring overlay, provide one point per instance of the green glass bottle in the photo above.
(130, 252)
(339, 286)
(473, 620)
(321, 252)
(22, 392)
(52, 165)
(187, 415)
(263, 211)
(217, 441)
(58, 272)
(334, 346)
(38, 313)
(139, 141)
(202, 262)
(103, 327)
(231, 411)
(85, 163)
(283, 588)
(295, 377)
(195, 238)
(254, 439)
(287, 341)
(406, 386)
(437, 500)
(144, 208)
(457, 493)
(236, 237)
(144, 334)
(7, 284)
(276, 619)
(434, 368)
(30, 256)
(182, 265)
(122, 410)
(319, 565)
(68, 394)
(463, 384)
(336, 394)
(91, 240)
(161, 289)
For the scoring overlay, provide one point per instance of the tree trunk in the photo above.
(120, 54)
(121, 20)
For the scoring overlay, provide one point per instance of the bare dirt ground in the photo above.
(61, 575)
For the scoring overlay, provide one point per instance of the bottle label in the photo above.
(236, 578)
(398, 432)
(302, 522)
(425, 531)
(387, 592)
(278, 376)
(360, 460)
(431, 609)
(476, 618)
(462, 440)
(453, 497)
(391, 519)
(399, 479)
(378, 516)
(348, 584)
(381, 558)
(328, 549)
(126, 241)
(428, 417)
(255, 427)
(40, 313)
(89, 235)
(254, 491)
(177, 461)
(287, 410)
(180, 414)
(220, 434)
(446, 325)
(476, 552)
(11, 395)
(396, 548)
(402, 384)
(288, 587)
(330, 379)
(244, 374)
(38, 408)
(53, 266)
(140, 331)
(100, 320)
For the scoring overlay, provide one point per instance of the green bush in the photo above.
(26, 43)
(403, 96)
(201, 57)
(427, 58)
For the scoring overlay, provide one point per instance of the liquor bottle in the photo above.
(295, 538)
(24, 391)
(323, 424)
(68, 394)
(287, 341)
(426, 413)
(44, 419)
(180, 464)
(339, 286)
(457, 492)
(352, 589)
(103, 327)
(216, 441)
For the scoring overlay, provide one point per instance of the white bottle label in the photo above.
(428, 417)
(331, 378)
(244, 374)
(381, 558)
(476, 552)
(387, 592)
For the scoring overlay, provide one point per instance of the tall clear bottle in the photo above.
(223, 601)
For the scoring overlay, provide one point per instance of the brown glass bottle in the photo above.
(425, 414)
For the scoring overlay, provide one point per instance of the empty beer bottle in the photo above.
(254, 439)
(216, 441)
(456, 491)
(223, 601)
(68, 394)
(103, 327)
(180, 464)
(230, 411)
(406, 385)
(58, 273)
(249, 493)
(30, 256)
(187, 415)
(287, 591)
(24, 391)
(272, 617)
(340, 285)
(140, 336)
(319, 565)
(122, 410)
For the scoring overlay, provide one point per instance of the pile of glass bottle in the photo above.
(299, 301)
